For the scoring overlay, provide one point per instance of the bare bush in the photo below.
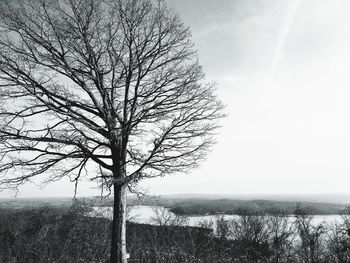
(282, 237)
(252, 234)
(311, 243)
(163, 217)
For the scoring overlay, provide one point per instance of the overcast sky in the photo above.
(282, 70)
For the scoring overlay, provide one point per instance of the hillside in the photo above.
(205, 206)
(201, 204)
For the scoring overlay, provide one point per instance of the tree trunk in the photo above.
(118, 244)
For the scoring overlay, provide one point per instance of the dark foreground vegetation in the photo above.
(48, 234)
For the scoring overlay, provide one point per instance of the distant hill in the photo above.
(35, 202)
(229, 206)
(202, 204)
(340, 198)
(212, 204)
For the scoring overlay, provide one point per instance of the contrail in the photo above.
(286, 25)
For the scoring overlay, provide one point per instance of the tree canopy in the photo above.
(77, 76)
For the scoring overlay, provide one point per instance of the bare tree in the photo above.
(252, 234)
(311, 237)
(338, 243)
(222, 227)
(282, 237)
(164, 218)
(106, 90)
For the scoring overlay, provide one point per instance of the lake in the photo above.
(146, 214)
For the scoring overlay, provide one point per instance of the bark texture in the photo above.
(118, 244)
